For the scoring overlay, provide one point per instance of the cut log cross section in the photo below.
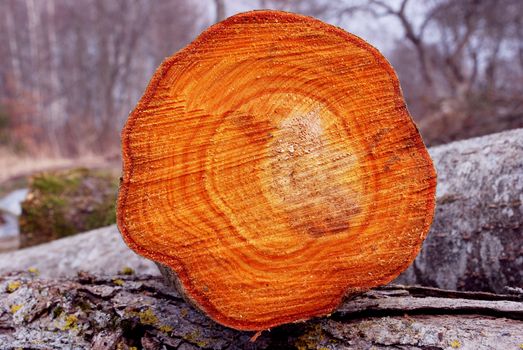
(272, 167)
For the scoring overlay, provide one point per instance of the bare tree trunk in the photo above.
(220, 10)
(14, 52)
(34, 24)
(475, 239)
(126, 311)
(55, 109)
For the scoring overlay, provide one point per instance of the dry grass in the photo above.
(13, 166)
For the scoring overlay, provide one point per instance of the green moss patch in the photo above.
(62, 203)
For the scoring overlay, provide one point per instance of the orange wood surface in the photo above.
(273, 166)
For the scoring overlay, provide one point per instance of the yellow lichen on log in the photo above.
(273, 167)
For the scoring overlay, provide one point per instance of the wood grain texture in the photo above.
(273, 166)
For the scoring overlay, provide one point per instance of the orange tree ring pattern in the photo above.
(273, 167)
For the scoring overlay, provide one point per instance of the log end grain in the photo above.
(273, 167)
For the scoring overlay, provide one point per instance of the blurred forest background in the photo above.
(71, 71)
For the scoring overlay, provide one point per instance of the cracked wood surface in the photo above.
(140, 311)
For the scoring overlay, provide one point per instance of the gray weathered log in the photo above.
(101, 251)
(475, 242)
(125, 311)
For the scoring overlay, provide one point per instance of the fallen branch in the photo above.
(473, 243)
(126, 311)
